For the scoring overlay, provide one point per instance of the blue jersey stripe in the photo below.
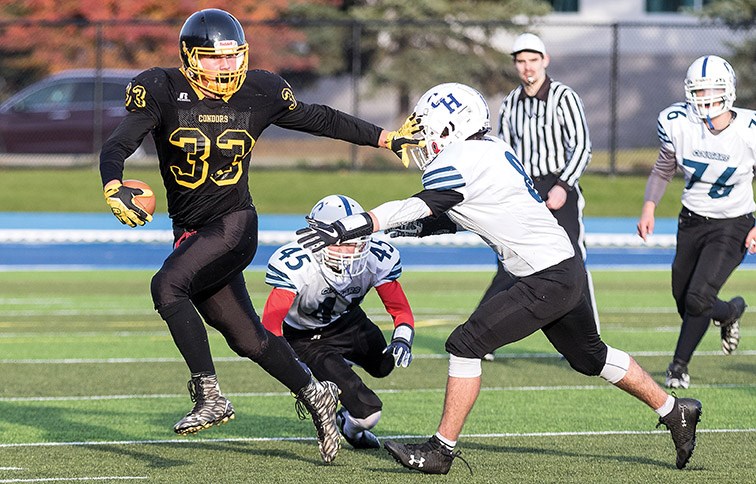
(439, 171)
(662, 134)
(446, 183)
(276, 278)
(396, 271)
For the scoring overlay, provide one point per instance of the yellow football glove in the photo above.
(120, 199)
(398, 141)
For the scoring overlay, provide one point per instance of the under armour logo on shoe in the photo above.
(682, 416)
(412, 461)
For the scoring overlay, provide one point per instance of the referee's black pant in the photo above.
(708, 251)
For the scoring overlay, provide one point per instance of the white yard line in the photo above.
(387, 437)
(236, 359)
(62, 479)
(606, 387)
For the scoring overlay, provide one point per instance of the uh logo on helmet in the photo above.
(348, 258)
(448, 112)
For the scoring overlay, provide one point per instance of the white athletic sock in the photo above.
(448, 443)
(665, 409)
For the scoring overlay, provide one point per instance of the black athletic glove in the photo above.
(424, 227)
(320, 235)
(401, 345)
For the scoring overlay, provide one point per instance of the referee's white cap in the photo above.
(529, 42)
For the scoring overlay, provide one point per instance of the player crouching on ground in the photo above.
(475, 182)
(315, 305)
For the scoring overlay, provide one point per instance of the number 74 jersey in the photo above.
(718, 168)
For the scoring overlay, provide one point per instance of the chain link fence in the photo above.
(625, 73)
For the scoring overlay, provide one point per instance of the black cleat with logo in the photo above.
(430, 457)
(682, 422)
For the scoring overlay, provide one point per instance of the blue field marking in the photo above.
(151, 256)
(132, 255)
(106, 221)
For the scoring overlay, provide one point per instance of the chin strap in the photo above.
(708, 121)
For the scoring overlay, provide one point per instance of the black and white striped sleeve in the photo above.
(575, 137)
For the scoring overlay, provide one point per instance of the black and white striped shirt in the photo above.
(548, 132)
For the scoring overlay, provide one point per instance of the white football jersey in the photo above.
(321, 297)
(500, 204)
(718, 168)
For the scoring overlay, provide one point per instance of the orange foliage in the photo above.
(52, 35)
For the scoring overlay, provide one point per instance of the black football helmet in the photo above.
(213, 32)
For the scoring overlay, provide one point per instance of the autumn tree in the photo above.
(739, 15)
(413, 45)
(40, 37)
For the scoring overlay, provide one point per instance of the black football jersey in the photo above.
(204, 145)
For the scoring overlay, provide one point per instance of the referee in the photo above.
(544, 121)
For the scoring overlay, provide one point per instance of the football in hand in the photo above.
(147, 202)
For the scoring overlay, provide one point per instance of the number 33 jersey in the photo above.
(204, 145)
(718, 168)
(321, 296)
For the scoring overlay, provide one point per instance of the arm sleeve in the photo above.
(439, 201)
(397, 212)
(123, 143)
(576, 137)
(276, 307)
(143, 115)
(661, 174)
(325, 121)
(396, 303)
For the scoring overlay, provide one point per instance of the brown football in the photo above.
(146, 202)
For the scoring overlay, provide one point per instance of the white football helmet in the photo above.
(348, 258)
(710, 86)
(448, 113)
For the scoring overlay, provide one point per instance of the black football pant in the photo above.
(552, 300)
(203, 276)
(353, 337)
(708, 251)
(570, 217)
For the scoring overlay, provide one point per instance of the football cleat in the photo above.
(677, 376)
(682, 422)
(730, 328)
(430, 457)
(320, 400)
(210, 406)
(363, 440)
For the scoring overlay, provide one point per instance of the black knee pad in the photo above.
(384, 368)
(362, 402)
(591, 362)
(461, 343)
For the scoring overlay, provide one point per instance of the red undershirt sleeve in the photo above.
(278, 304)
(396, 303)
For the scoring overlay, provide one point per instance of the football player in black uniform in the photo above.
(205, 118)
